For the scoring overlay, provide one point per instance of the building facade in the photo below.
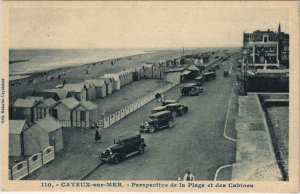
(266, 49)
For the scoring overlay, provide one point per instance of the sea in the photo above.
(23, 62)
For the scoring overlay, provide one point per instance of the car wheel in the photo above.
(181, 112)
(152, 129)
(116, 159)
(141, 149)
(171, 124)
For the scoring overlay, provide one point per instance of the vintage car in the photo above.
(209, 76)
(191, 90)
(225, 74)
(157, 121)
(177, 109)
(170, 101)
(158, 109)
(123, 148)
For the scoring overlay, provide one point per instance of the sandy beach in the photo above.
(23, 87)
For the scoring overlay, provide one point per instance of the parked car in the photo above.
(157, 121)
(225, 74)
(123, 148)
(191, 90)
(171, 101)
(177, 109)
(209, 76)
(158, 109)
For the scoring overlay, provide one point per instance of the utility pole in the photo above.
(182, 51)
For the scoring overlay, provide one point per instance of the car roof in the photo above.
(174, 104)
(170, 100)
(159, 108)
(190, 84)
(160, 113)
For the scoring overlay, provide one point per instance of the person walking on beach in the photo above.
(97, 136)
(188, 176)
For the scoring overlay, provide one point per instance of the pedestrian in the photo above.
(157, 96)
(188, 176)
(97, 136)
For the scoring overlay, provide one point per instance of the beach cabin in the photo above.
(85, 115)
(23, 109)
(61, 93)
(108, 84)
(126, 77)
(148, 70)
(136, 73)
(173, 76)
(62, 111)
(100, 87)
(91, 91)
(46, 132)
(42, 108)
(78, 91)
(16, 129)
(158, 72)
(115, 79)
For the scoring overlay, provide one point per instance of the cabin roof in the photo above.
(16, 126)
(25, 103)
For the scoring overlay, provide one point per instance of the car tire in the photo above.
(171, 124)
(141, 149)
(116, 159)
(181, 112)
(152, 129)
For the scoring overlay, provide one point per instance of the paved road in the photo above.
(196, 141)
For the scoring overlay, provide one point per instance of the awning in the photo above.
(185, 72)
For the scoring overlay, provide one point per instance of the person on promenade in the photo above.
(97, 136)
(188, 176)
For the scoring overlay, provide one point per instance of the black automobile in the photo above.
(123, 148)
(191, 90)
(157, 121)
(170, 101)
(177, 109)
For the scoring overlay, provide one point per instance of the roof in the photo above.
(49, 124)
(45, 94)
(185, 72)
(193, 68)
(114, 76)
(190, 84)
(88, 105)
(159, 108)
(173, 104)
(160, 113)
(171, 100)
(60, 92)
(70, 102)
(16, 126)
(25, 103)
(36, 98)
(199, 77)
(74, 87)
(174, 70)
(107, 80)
(49, 102)
(96, 82)
(147, 65)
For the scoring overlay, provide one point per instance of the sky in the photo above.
(128, 25)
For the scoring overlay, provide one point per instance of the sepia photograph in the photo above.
(140, 95)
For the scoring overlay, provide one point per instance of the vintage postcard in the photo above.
(150, 96)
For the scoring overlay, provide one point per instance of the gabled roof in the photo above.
(74, 87)
(49, 102)
(114, 76)
(36, 98)
(25, 103)
(96, 82)
(88, 105)
(17, 126)
(49, 124)
(185, 72)
(193, 68)
(62, 94)
(45, 94)
(70, 102)
(107, 80)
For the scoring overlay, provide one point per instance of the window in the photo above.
(82, 116)
(265, 39)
